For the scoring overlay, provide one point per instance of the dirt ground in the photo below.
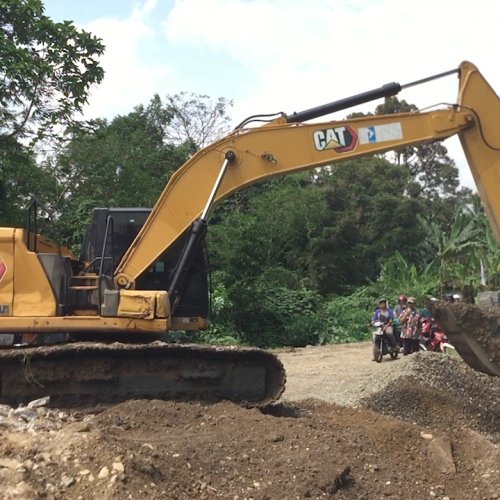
(420, 427)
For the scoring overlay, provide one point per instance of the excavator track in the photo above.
(474, 332)
(86, 373)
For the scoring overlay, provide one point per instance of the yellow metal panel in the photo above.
(162, 304)
(193, 323)
(481, 143)
(45, 245)
(32, 292)
(137, 304)
(6, 271)
(84, 324)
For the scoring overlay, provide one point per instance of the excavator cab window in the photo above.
(110, 233)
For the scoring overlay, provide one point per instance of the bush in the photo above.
(302, 331)
(347, 319)
(268, 315)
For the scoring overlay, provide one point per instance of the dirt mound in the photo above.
(181, 451)
(441, 392)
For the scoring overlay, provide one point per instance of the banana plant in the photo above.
(454, 250)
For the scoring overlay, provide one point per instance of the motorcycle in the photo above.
(381, 345)
(433, 338)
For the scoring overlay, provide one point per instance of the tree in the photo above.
(19, 177)
(273, 234)
(370, 217)
(194, 118)
(46, 69)
(122, 163)
(435, 174)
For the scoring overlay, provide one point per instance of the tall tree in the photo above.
(46, 69)
(124, 162)
(434, 173)
(195, 119)
(19, 178)
(330, 235)
(370, 218)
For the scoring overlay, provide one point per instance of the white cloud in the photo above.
(128, 80)
(299, 53)
(308, 53)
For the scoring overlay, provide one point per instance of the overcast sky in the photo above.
(284, 55)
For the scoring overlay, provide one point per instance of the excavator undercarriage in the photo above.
(89, 373)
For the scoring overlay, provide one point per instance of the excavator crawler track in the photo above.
(83, 374)
(474, 332)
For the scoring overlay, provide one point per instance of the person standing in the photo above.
(411, 326)
(400, 307)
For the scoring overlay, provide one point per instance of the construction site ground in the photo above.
(420, 427)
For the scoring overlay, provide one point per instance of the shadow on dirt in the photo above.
(284, 410)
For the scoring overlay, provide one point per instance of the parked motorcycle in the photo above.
(381, 345)
(433, 338)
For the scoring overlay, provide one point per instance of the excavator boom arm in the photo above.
(281, 148)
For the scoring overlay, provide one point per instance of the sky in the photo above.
(285, 55)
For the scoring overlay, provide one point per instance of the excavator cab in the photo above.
(108, 237)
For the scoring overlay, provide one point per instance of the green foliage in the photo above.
(450, 248)
(369, 219)
(347, 318)
(46, 72)
(46, 69)
(433, 173)
(483, 253)
(264, 312)
(127, 161)
(274, 232)
(398, 276)
(393, 105)
(294, 312)
(221, 329)
(19, 177)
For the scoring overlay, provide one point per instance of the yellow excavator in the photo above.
(143, 273)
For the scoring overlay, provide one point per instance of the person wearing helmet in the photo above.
(401, 306)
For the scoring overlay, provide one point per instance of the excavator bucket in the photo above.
(474, 332)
